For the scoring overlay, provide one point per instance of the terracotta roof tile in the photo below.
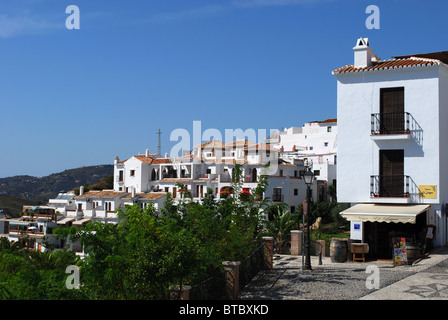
(161, 160)
(408, 62)
(153, 195)
(259, 146)
(101, 194)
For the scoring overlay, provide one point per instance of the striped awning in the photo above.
(384, 212)
(82, 221)
(19, 223)
(65, 220)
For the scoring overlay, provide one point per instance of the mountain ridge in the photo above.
(38, 190)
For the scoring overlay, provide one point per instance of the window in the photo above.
(392, 110)
(120, 176)
(317, 173)
(325, 144)
(329, 129)
(277, 195)
(281, 173)
(391, 173)
(296, 192)
(132, 173)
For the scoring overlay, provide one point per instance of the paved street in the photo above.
(428, 279)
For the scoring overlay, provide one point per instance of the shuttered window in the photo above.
(391, 173)
(392, 110)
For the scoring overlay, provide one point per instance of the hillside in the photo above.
(39, 190)
(12, 205)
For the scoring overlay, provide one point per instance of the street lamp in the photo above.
(308, 176)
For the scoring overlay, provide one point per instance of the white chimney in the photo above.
(133, 192)
(116, 160)
(81, 190)
(147, 153)
(166, 155)
(363, 53)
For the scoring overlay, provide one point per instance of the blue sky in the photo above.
(80, 97)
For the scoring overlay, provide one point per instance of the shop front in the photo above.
(380, 224)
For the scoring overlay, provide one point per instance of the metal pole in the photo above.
(303, 241)
(308, 255)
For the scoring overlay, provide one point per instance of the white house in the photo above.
(33, 229)
(392, 147)
(62, 201)
(147, 178)
(210, 165)
(316, 143)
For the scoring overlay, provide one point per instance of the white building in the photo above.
(314, 142)
(392, 150)
(33, 229)
(210, 165)
(62, 201)
(144, 179)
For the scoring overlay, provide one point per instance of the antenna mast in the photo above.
(159, 133)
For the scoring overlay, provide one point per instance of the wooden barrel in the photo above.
(338, 250)
(412, 252)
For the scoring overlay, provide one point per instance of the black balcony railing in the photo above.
(393, 186)
(390, 123)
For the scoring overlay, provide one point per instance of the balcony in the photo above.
(394, 186)
(387, 126)
(26, 232)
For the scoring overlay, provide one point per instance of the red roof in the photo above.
(408, 62)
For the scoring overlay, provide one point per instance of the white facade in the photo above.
(314, 142)
(210, 165)
(423, 141)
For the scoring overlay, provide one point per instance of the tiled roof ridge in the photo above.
(437, 61)
(400, 63)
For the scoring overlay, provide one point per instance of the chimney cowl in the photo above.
(363, 53)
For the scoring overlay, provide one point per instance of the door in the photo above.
(392, 110)
(254, 175)
(391, 173)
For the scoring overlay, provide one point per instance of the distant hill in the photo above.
(39, 190)
(13, 205)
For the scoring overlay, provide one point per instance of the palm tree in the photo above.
(281, 226)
